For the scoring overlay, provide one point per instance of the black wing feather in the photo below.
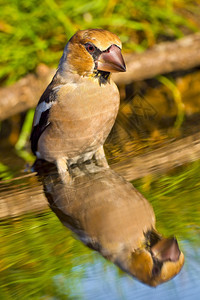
(48, 96)
(38, 130)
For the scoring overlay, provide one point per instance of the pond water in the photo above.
(42, 259)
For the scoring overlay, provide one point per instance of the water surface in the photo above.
(41, 259)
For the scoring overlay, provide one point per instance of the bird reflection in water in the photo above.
(110, 216)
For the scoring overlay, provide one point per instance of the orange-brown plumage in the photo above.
(83, 64)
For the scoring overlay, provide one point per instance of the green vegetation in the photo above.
(33, 31)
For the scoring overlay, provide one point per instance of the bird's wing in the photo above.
(41, 117)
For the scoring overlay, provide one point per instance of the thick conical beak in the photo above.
(166, 249)
(111, 60)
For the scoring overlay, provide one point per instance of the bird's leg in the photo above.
(63, 170)
(100, 157)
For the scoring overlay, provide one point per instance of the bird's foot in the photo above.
(63, 171)
(101, 158)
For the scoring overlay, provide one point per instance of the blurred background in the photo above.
(159, 118)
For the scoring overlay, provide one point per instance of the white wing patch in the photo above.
(43, 106)
(57, 88)
(38, 154)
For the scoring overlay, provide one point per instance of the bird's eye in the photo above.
(90, 48)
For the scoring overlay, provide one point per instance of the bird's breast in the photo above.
(82, 118)
(86, 101)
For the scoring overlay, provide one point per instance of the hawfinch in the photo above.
(78, 108)
(110, 216)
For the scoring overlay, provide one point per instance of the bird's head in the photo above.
(92, 52)
(157, 261)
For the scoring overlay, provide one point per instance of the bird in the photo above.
(78, 108)
(72, 120)
(110, 216)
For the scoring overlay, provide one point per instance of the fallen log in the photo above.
(163, 58)
(25, 93)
